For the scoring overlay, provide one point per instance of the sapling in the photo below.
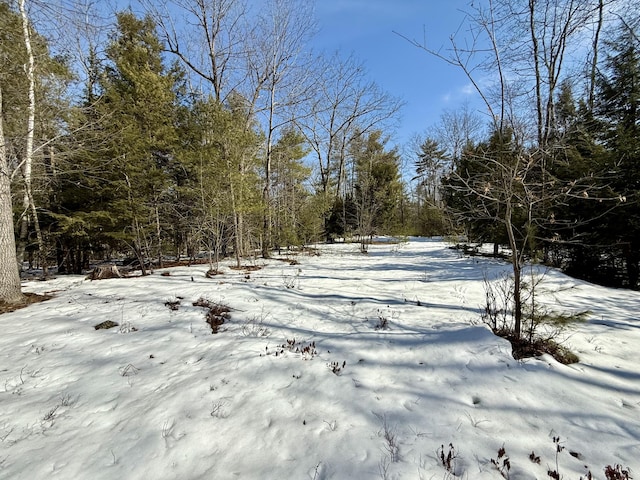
(391, 439)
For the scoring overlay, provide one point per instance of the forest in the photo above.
(137, 139)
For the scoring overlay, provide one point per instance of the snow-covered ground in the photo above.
(161, 397)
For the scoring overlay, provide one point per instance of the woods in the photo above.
(234, 138)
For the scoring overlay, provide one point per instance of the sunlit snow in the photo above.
(343, 366)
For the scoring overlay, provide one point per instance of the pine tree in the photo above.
(430, 166)
(573, 237)
(289, 193)
(618, 112)
(377, 189)
(137, 109)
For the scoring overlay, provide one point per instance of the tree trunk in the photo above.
(517, 298)
(158, 234)
(266, 193)
(594, 60)
(28, 155)
(536, 63)
(138, 241)
(517, 271)
(104, 271)
(9, 275)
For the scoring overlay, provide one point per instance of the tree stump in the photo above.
(104, 271)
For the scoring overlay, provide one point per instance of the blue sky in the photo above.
(366, 28)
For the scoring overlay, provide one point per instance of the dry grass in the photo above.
(27, 299)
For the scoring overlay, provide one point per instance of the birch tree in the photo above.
(28, 203)
(25, 60)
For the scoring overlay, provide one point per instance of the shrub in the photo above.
(541, 327)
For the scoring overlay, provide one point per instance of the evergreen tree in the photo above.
(478, 171)
(618, 112)
(430, 167)
(574, 234)
(377, 189)
(32, 85)
(290, 197)
(136, 113)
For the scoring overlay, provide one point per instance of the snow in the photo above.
(162, 397)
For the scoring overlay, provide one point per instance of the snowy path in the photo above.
(161, 397)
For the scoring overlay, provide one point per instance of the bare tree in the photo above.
(594, 56)
(278, 71)
(27, 162)
(345, 104)
(456, 129)
(554, 27)
(504, 188)
(209, 36)
(507, 182)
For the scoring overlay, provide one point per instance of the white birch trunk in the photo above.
(29, 203)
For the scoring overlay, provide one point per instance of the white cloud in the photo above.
(468, 89)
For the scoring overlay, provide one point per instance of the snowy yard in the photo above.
(343, 366)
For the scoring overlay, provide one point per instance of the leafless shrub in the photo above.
(51, 414)
(388, 433)
(333, 425)
(173, 305)
(555, 474)
(254, 326)
(292, 345)
(292, 281)
(167, 428)
(127, 327)
(497, 312)
(66, 400)
(383, 323)
(542, 329)
(383, 467)
(336, 368)
(217, 409)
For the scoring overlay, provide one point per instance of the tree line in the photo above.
(222, 132)
(207, 126)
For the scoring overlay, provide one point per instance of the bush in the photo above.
(541, 327)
